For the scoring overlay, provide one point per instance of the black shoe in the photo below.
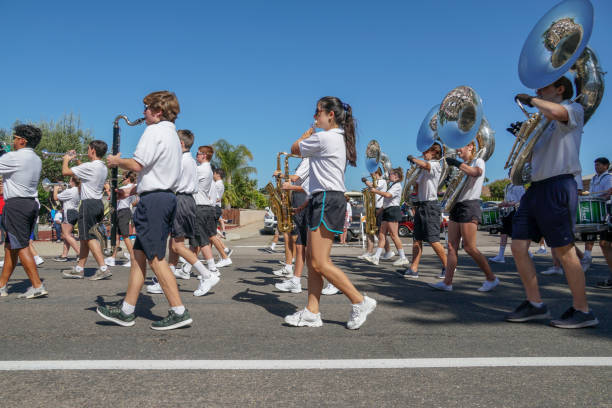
(575, 319)
(526, 311)
(607, 284)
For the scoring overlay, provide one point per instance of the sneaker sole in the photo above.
(364, 320)
(116, 321)
(288, 290)
(302, 323)
(581, 325)
(174, 326)
(37, 295)
(72, 276)
(528, 318)
(154, 292)
(105, 276)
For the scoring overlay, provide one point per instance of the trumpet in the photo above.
(58, 156)
(47, 185)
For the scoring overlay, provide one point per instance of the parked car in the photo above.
(269, 223)
(406, 226)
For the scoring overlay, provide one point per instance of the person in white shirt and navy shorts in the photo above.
(328, 152)
(20, 169)
(548, 208)
(70, 199)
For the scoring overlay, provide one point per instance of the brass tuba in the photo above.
(460, 119)
(556, 45)
(369, 198)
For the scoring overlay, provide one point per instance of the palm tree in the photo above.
(233, 160)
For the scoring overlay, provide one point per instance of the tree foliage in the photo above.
(497, 189)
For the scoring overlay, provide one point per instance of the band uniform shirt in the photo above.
(557, 152)
(127, 201)
(381, 185)
(93, 175)
(220, 191)
(188, 183)
(159, 153)
(513, 194)
(428, 182)
(21, 172)
(601, 183)
(396, 191)
(302, 171)
(70, 199)
(205, 181)
(327, 153)
(473, 185)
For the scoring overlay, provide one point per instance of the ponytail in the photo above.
(344, 118)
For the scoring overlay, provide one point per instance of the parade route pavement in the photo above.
(420, 347)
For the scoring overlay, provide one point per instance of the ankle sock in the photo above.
(103, 268)
(127, 309)
(536, 304)
(401, 253)
(179, 310)
(78, 268)
(378, 252)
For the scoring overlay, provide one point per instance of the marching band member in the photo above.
(289, 237)
(218, 176)
(548, 208)
(427, 214)
(512, 198)
(382, 186)
(391, 217)
(329, 151)
(464, 218)
(70, 199)
(157, 160)
(20, 169)
(124, 218)
(217, 191)
(92, 175)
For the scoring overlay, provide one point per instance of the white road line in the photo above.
(304, 364)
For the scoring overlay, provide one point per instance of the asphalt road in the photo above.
(242, 319)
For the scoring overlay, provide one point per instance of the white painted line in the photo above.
(304, 364)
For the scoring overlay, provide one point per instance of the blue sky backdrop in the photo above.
(251, 72)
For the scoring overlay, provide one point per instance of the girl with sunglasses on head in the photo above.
(328, 151)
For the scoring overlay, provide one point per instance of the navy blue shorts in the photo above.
(427, 221)
(327, 208)
(185, 217)
(18, 220)
(91, 212)
(548, 209)
(301, 228)
(152, 219)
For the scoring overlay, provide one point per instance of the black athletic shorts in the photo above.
(392, 214)
(206, 225)
(466, 211)
(184, 223)
(91, 213)
(153, 219)
(18, 220)
(427, 221)
(507, 223)
(327, 208)
(301, 228)
(124, 217)
(218, 212)
(379, 216)
(72, 216)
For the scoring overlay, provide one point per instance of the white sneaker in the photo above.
(553, 270)
(283, 272)
(206, 285)
(39, 260)
(155, 287)
(401, 262)
(223, 262)
(3, 291)
(1, 263)
(330, 290)
(181, 259)
(126, 254)
(180, 274)
(373, 259)
(186, 268)
(498, 259)
(228, 252)
(289, 286)
(586, 263)
(488, 285)
(364, 255)
(216, 273)
(541, 251)
(304, 317)
(360, 313)
(441, 286)
(388, 255)
(128, 264)
(110, 261)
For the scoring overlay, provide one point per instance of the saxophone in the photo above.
(280, 200)
(369, 198)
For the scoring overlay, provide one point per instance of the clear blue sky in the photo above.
(251, 71)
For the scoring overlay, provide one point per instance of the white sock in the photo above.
(378, 252)
(273, 245)
(127, 309)
(211, 264)
(289, 268)
(179, 310)
(536, 304)
(200, 268)
(401, 253)
(502, 250)
(38, 258)
(226, 250)
(587, 254)
(103, 268)
(78, 268)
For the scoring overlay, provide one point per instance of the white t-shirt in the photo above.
(159, 153)
(127, 201)
(513, 194)
(600, 183)
(93, 175)
(21, 171)
(205, 184)
(381, 185)
(58, 218)
(394, 201)
(558, 149)
(220, 190)
(302, 172)
(473, 185)
(327, 153)
(428, 182)
(70, 199)
(349, 212)
(188, 183)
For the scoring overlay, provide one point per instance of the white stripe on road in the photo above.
(304, 364)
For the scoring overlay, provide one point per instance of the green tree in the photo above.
(497, 189)
(233, 160)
